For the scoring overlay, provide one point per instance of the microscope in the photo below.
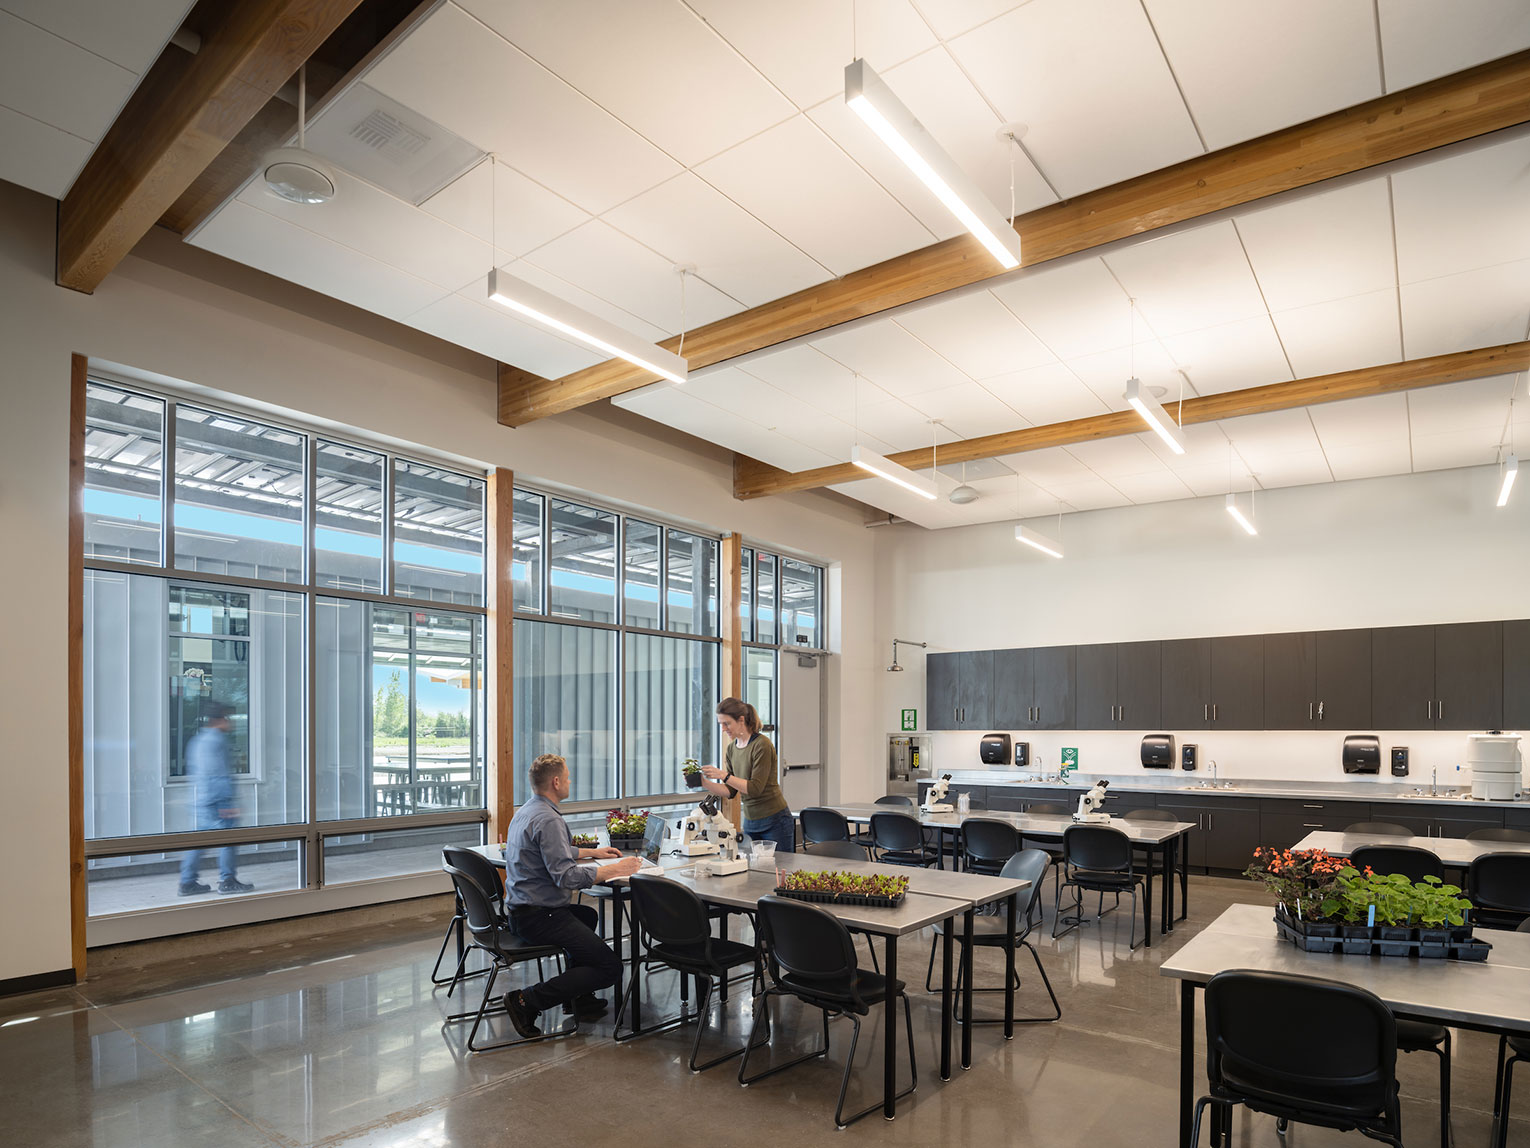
(935, 796)
(1091, 804)
(706, 832)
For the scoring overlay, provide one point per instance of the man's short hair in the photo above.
(545, 769)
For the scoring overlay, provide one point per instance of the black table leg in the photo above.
(1009, 969)
(890, 1034)
(967, 988)
(1183, 846)
(1147, 904)
(1186, 1060)
(1168, 886)
(947, 995)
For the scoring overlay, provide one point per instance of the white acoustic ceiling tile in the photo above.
(1455, 448)
(681, 408)
(834, 437)
(1477, 404)
(256, 239)
(1232, 357)
(1330, 245)
(977, 333)
(1047, 394)
(1189, 280)
(1424, 39)
(1110, 457)
(1370, 459)
(1354, 422)
(39, 156)
(1090, 80)
(655, 66)
(960, 121)
(496, 200)
(884, 496)
(1478, 308)
(1205, 443)
(780, 451)
(1086, 494)
(579, 297)
(1153, 486)
(953, 17)
(457, 72)
(472, 322)
(1206, 479)
(890, 357)
(1342, 334)
(690, 222)
(802, 46)
(1075, 309)
(795, 180)
(1463, 212)
(808, 374)
(126, 32)
(375, 223)
(608, 264)
(57, 82)
(968, 411)
(1298, 468)
(1248, 69)
(1273, 432)
(1047, 467)
(1106, 374)
(896, 423)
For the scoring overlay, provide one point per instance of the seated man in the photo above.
(540, 875)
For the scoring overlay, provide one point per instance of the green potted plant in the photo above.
(837, 885)
(586, 841)
(626, 830)
(691, 769)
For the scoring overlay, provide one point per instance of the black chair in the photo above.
(1098, 859)
(1498, 886)
(492, 935)
(456, 927)
(1149, 815)
(1052, 849)
(988, 844)
(1300, 1048)
(899, 799)
(1422, 1036)
(1504, 1080)
(898, 839)
(1410, 861)
(679, 935)
(810, 956)
(1380, 829)
(1520, 835)
(819, 824)
(992, 932)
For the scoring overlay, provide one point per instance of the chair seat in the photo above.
(908, 856)
(873, 988)
(512, 945)
(1096, 879)
(725, 955)
(1419, 1036)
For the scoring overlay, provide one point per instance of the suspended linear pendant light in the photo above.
(295, 173)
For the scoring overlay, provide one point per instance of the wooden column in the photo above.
(499, 654)
(78, 366)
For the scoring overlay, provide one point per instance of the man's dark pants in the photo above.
(591, 964)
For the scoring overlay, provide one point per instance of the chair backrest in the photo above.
(1149, 815)
(1499, 835)
(819, 824)
(1413, 863)
(1046, 809)
(898, 831)
(895, 799)
(669, 912)
(1101, 848)
(1500, 881)
(808, 949)
(479, 867)
(988, 843)
(478, 904)
(1301, 1043)
(844, 850)
(1380, 829)
(1028, 865)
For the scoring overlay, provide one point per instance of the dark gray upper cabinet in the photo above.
(975, 697)
(1318, 680)
(942, 685)
(1237, 682)
(1402, 677)
(1116, 686)
(1186, 683)
(1094, 686)
(1014, 688)
(1054, 705)
(1468, 676)
(1290, 681)
(1516, 675)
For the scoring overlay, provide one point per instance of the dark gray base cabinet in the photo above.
(1227, 830)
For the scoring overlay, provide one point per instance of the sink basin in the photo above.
(1425, 795)
(1215, 785)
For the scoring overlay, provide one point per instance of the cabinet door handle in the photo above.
(1429, 710)
(1206, 712)
(1211, 819)
(1441, 714)
(1038, 713)
(1311, 825)
(1312, 807)
(1309, 711)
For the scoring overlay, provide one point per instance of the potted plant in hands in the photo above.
(626, 829)
(691, 768)
(586, 841)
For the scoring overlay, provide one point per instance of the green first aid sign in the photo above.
(910, 720)
(1070, 758)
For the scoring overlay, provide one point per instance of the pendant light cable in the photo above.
(680, 350)
(303, 106)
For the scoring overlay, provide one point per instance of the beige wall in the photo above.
(182, 314)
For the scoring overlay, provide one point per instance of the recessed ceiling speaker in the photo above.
(963, 494)
(295, 173)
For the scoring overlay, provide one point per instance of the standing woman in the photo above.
(751, 773)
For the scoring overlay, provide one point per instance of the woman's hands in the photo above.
(713, 772)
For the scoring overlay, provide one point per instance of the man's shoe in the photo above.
(522, 1015)
(586, 1008)
(193, 888)
(234, 885)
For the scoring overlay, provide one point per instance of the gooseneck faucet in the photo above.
(1434, 773)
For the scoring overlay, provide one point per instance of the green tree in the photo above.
(443, 724)
(390, 708)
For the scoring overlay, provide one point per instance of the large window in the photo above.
(782, 600)
(289, 637)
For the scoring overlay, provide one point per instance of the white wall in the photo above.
(186, 315)
(1378, 552)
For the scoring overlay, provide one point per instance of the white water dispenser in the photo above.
(1495, 763)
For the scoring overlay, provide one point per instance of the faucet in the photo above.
(1213, 775)
(1434, 772)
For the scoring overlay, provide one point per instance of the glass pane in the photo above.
(348, 523)
(124, 445)
(670, 694)
(238, 497)
(765, 598)
(444, 774)
(583, 572)
(526, 557)
(692, 571)
(760, 685)
(565, 703)
(347, 705)
(801, 604)
(396, 853)
(157, 759)
(155, 880)
(437, 534)
(640, 588)
(746, 594)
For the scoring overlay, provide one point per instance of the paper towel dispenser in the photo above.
(994, 749)
(1158, 751)
(1362, 753)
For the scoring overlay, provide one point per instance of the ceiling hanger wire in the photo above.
(680, 350)
(302, 105)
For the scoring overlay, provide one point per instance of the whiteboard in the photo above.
(800, 718)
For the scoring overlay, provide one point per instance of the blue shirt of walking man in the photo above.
(207, 766)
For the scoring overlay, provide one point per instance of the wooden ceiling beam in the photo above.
(1444, 111)
(183, 114)
(755, 479)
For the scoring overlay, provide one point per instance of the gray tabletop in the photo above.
(1492, 994)
(1451, 850)
(1033, 825)
(969, 888)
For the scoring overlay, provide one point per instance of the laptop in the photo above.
(653, 839)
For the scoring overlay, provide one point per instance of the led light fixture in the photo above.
(1510, 472)
(1038, 541)
(1141, 401)
(547, 309)
(895, 125)
(1238, 515)
(870, 460)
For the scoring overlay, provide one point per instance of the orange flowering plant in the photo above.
(1301, 879)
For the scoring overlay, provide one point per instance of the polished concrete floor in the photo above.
(338, 1040)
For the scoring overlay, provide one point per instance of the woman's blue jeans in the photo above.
(778, 827)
